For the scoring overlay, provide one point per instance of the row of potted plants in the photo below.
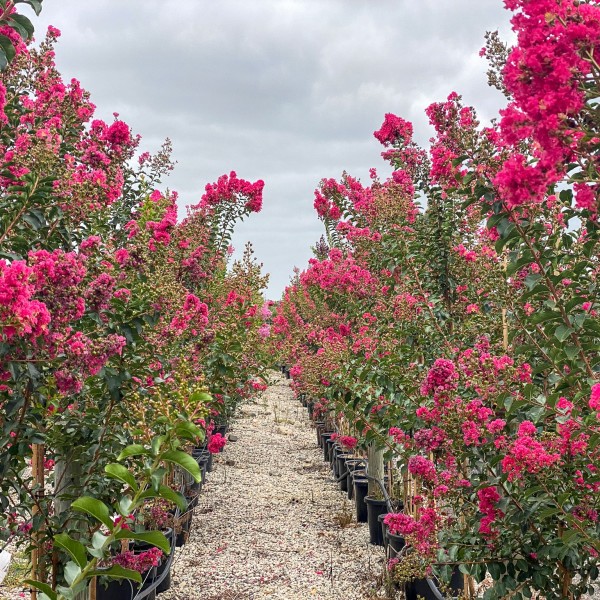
(450, 319)
(175, 523)
(125, 332)
(382, 513)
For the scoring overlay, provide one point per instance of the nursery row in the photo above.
(127, 336)
(448, 325)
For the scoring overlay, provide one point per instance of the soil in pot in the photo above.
(375, 507)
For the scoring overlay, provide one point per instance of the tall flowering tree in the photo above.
(480, 354)
(105, 318)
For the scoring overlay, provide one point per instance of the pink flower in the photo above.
(347, 441)
(394, 129)
(216, 443)
(594, 402)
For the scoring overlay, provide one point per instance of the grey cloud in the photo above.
(289, 91)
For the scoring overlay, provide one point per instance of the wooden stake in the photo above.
(504, 321)
(37, 469)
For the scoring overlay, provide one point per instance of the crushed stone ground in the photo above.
(265, 525)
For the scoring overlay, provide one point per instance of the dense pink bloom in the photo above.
(488, 498)
(441, 377)
(230, 189)
(216, 443)
(423, 467)
(348, 441)
(595, 397)
(394, 129)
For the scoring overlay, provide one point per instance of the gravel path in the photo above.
(265, 524)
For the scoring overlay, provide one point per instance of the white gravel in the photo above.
(265, 523)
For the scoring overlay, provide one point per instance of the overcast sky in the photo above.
(289, 91)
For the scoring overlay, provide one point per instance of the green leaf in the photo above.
(7, 46)
(185, 461)
(42, 587)
(157, 443)
(22, 25)
(116, 572)
(72, 572)
(189, 431)
(123, 474)
(98, 540)
(73, 547)
(200, 397)
(95, 508)
(562, 332)
(36, 5)
(133, 450)
(156, 538)
(168, 494)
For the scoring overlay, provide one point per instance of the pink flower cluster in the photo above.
(394, 130)
(347, 441)
(442, 377)
(527, 455)
(229, 188)
(216, 443)
(141, 562)
(488, 499)
(420, 532)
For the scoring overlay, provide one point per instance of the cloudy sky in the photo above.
(289, 91)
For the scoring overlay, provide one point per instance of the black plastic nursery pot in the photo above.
(165, 584)
(352, 465)
(222, 428)
(330, 449)
(383, 527)
(375, 507)
(339, 468)
(309, 407)
(320, 427)
(185, 522)
(165, 568)
(395, 543)
(324, 439)
(426, 589)
(209, 463)
(361, 489)
(125, 589)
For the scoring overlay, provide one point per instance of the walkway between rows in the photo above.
(266, 523)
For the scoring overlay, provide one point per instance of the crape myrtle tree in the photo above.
(105, 320)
